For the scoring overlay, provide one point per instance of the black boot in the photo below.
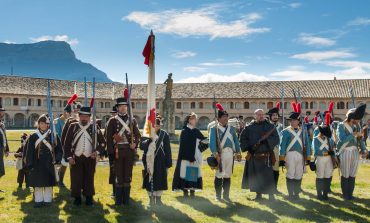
(192, 194)
(226, 186)
(113, 190)
(20, 186)
(218, 188)
(276, 180)
(271, 197)
(351, 187)
(258, 197)
(186, 194)
(118, 195)
(89, 200)
(77, 201)
(326, 188)
(297, 188)
(290, 187)
(319, 188)
(126, 195)
(344, 186)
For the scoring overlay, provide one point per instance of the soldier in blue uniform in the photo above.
(224, 143)
(349, 144)
(322, 145)
(295, 145)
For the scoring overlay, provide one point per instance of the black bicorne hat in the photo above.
(85, 111)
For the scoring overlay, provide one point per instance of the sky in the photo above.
(203, 41)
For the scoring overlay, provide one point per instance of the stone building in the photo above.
(25, 98)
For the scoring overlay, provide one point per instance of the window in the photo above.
(231, 105)
(144, 105)
(60, 102)
(208, 105)
(246, 105)
(30, 102)
(52, 103)
(305, 105)
(65, 103)
(138, 105)
(200, 105)
(285, 105)
(192, 105)
(340, 105)
(107, 104)
(254, 106)
(157, 105)
(8, 101)
(313, 105)
(262, 105)
(15, 101)
(23, 102)
(39, 102)
(132, 105)
(101, 104)
(1, 101)
(270, 105)
(178, 105)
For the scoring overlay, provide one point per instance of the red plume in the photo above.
(278, 105)
(219, 106)
(294, 106)
(92, 102)
(315, 119)
(330, 108)
(306, 119)
(327, 119)
(72, 99)
(299, 110)
(125, 93)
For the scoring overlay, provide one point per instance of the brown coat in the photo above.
(68, 122)
(114, 126)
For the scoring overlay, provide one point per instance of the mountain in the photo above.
(46, 59)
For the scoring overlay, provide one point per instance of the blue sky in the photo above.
(203, 41)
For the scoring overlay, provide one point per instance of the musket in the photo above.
(129, 110)
(354, 106)
(93, 107)
(85, 89)
(282, 106)
(217, 138)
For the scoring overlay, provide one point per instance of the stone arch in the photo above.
(19, 120)
(32, 119)
(203, 122)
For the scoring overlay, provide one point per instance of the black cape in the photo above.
(162, 161)
(40, 162)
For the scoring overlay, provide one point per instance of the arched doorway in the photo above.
(32, 120)
(7, 120)
(19, 120)
(203, 123)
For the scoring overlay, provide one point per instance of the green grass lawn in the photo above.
(17, 206)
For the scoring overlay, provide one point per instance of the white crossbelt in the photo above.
(324, 144)
(82, 131)
(42, 139)
(124, 126)
(297, 138)
(227, 135)
(350, 130)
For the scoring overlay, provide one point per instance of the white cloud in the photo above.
(311, 40)
(9, 42)
(64, 38)
(212, 77)
(194, 69)
(316, 56)
(230, 64)
(201, 22)
(361, 21)
(295, 5)
(184, 54)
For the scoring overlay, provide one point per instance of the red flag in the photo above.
(147, 51)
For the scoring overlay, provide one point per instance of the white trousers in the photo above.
(294, 165)
(276, 152)
(157, 193)
(43, 194)
(349, 159)
(324, 167)
(227, 159)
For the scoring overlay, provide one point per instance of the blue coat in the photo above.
(316, 144)
(228, 143)
(345, 136)
(287, 137)
(59, 124)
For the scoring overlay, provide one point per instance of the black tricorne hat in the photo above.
(357, 113)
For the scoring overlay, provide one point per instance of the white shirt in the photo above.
(84, 146)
